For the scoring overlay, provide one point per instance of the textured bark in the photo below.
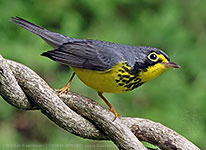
(24, 89)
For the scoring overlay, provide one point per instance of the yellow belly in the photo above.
(100, 81)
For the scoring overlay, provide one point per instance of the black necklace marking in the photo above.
(129, 81)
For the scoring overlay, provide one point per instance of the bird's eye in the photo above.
(153, 56)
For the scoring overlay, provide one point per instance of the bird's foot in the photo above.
(65, 89)
(115, 113)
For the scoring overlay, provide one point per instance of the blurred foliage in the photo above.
(176, 99)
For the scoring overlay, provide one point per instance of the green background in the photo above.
(175, 99)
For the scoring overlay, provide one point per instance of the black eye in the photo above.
(153, 56)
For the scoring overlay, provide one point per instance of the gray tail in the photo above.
(52, 38)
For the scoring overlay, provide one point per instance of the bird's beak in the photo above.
(171, 65)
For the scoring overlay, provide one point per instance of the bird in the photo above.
(106, 67)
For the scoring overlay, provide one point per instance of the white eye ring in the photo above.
(153, 57)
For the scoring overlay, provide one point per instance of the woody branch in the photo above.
(24, 89)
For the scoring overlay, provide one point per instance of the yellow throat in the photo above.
(154, 71)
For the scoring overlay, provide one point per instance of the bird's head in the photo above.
(154, 62)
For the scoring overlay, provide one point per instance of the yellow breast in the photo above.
(118, 79)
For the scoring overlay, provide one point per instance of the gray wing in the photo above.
(87, 54)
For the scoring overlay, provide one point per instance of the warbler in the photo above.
(103, 66)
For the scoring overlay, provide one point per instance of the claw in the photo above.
(65, 89)
(115, 113)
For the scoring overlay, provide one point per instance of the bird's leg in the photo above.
(66, 88)
(110, 106)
